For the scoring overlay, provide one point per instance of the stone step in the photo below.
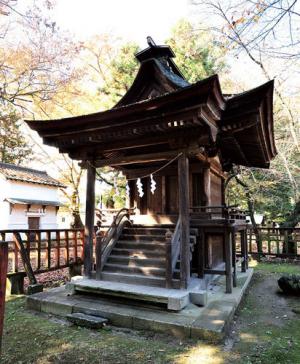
(138, 237)
(138, 279)
(141, 245)
(89, 321)
(135, 261)
(147, 271)
(174, 299)
(145, 253)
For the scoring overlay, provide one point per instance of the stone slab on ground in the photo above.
(210, 322)
(89, 321)
(174, 299)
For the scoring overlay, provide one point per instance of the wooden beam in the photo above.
(136, 141)
(142, 158)
(183, 196)
(89, 220)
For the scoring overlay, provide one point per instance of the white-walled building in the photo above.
(29, 199)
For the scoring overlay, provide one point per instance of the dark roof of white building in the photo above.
(29, 175)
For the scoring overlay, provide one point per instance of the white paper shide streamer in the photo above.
(152, 184)
(140, 187)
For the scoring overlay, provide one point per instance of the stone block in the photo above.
(89, 321)
(178, 303)
(59, 308)
(168, 328)
(70, 288)
(34, 288)
(33, 303)
(198, 297)
(120, 319)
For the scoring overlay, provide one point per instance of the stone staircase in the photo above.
(138, 257)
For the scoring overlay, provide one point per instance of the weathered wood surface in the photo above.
(42, 249)
(25, 258)
(3, 271)
(111, 236)
(168, 257)
(183, 197)
(89, 220)
(228, 261)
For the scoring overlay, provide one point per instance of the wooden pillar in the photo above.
(183, 204)
(201, 254)
(3, 272)
(206, 185)
(233, 241)
(228, 260)
(89, 221)
(243, 250)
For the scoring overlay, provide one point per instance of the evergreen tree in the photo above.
(13, 147)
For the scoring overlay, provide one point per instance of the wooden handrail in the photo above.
(106, 243)
(172, 252)
(175, 243)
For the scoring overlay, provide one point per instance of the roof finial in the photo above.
(150, 42)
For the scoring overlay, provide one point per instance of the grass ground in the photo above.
(265, 330)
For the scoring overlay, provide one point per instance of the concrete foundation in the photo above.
(209, 322)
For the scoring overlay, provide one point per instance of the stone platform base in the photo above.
(210, 322)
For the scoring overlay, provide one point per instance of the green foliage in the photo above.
(120, 73)
(271, 191)
(197, 55)
(13, 147)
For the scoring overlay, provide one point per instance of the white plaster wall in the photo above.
(49, 220)
(18, 217)
(32, 191)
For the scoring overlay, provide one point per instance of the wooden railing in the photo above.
(105, 244)
(46, 249)
(280, 242)
(172, 252)
(218, 212)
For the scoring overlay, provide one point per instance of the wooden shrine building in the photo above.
(188, 136)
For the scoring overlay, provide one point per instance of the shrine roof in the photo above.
(166, 112)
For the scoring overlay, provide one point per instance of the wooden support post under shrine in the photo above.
(89, 220)
(183, 197)
(228, 260)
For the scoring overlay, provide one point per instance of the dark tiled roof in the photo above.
(24, 201)
(24, 174)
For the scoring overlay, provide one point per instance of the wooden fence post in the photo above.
(3, 272)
